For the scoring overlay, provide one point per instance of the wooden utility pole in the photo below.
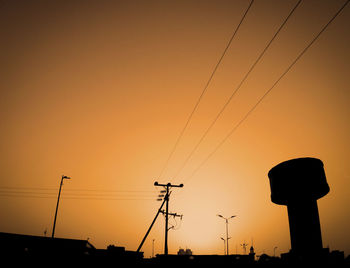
(167, 187)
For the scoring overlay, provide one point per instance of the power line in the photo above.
(73, 198)
(102, 198)
(119, 191)
(110, 194)
(77, 189)
(25, 192)
(28, 188)
(235, 91)
(78, 194)
(203, 91)
(270, 89)
(48, 193)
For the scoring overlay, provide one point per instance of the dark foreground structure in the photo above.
(25, 250)
(19, 249)
(296, 183)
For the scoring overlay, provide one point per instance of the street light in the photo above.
(274, 251)
(58, 201)
(227, 238)
(224, 245)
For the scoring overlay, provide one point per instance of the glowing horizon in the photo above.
(100, 91)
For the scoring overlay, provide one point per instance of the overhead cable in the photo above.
(269, 90)
(203, 91)
(236, 90)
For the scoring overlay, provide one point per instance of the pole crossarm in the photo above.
(172, 214)
(168, 184)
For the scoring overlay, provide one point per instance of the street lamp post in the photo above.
(227, 238)
(274, 251)
(58, 201)
(224, 245)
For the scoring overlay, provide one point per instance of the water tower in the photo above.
(298, 184)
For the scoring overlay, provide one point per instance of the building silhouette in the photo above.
(18, 245)
(184, 252)
(296, 183)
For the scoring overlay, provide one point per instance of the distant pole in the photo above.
(166, 198)
(153, 248)
(227, 238)
(166, 219)
(274, 251)
(58, 201)
(244, 246)
(224, 245)
(227, 235)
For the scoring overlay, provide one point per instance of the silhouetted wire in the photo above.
(25, 196)
(25, 192)
(97, 198)
(81, 190)
(121, 191)
(177, 224)
(110, 194)
(73, 198)
(235, 91)
(79, 194)
(268, 91)
(203, 92)
(28, 188)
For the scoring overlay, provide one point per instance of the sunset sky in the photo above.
(101, 90)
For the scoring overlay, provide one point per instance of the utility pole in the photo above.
(165, 201)
(58, 201)
(227, 238)
(167, 187)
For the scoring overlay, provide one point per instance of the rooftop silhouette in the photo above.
(296, 183)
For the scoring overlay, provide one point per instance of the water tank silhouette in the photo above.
(298, 183)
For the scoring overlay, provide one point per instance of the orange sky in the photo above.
(100, 91)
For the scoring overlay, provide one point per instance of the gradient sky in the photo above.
(100, 91)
